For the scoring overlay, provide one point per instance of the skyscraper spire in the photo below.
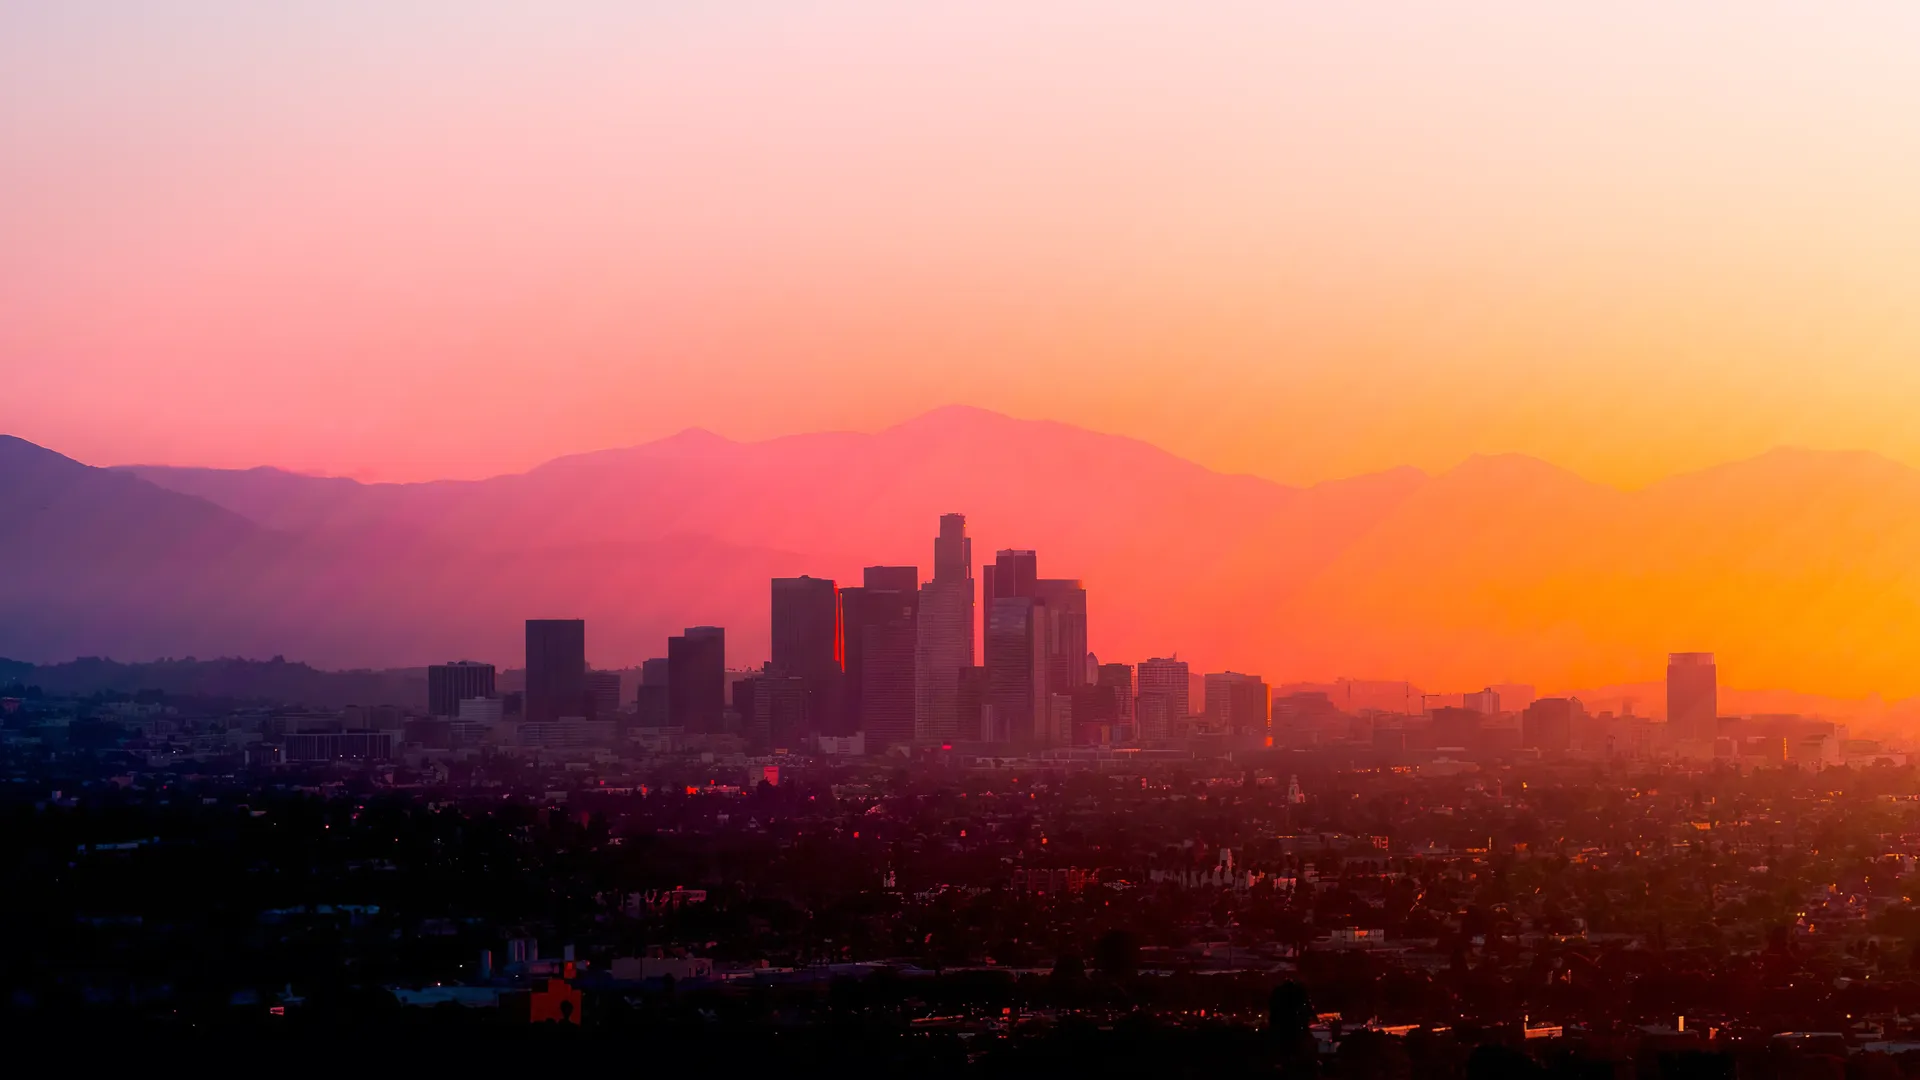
(944, 641)
(953, 550)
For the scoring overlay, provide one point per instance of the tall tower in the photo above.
(1238, 704)
(1117, 680)
(953, 550)
(881, 618)
(1014, 572)
(1162, 703)
(603, 695)
(1066, 601)
(943, 642)
(1693, 697)
(556, 669)
(651, 707)
(697, 680)
(1017, 659)
(809, 642)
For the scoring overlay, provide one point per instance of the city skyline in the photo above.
(851, 672)
(1308, 584)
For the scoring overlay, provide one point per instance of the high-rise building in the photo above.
(603, 695)
(1237, 704)
(1066, 601)
(650, 701)
(953, 550)
(1014, 572)
(887, 702)
(450, 684)
(943, 641)
(774, 709)
(1017, 658)
(1058, 615)
(1693, 697)
(1547, 724)
(882, 618)
(1485, 702)
(905, 579)
(1305, 718)
(1117, 681)
(556, 669)
(697, 680)
(886, 607)
(1455, 728)
(809, 642)
(1161, 703)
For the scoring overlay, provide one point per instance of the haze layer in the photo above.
(1795, 567)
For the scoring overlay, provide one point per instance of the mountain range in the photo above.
(1801, 569)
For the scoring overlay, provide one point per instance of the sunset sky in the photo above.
(414, 240)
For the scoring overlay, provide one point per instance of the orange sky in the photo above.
(1302, 241)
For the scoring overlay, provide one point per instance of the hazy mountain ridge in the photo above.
(1798, 567)
(227, 679)
(56, 507)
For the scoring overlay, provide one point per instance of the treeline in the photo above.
(276, 681)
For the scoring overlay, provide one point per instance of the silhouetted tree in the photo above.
(1117, 954)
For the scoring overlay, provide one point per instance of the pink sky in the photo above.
(454, 239)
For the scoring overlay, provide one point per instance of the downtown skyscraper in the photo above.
(809, 643)
(1066, 600)
(1036, 649)
(882, 622)
(943, 644)
(1017, 662)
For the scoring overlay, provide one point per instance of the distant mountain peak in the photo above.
(1515, 468)
(695, 436)
(693, 442)
(1798, 472)
(955, 423)
(687, 442)
(954, 414)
